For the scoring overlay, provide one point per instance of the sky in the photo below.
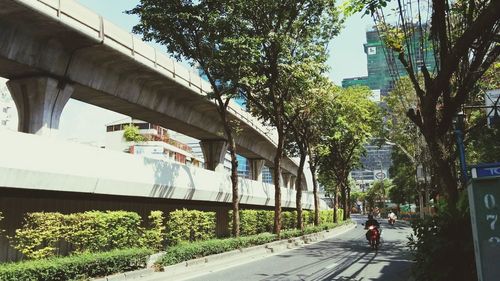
(86, 123)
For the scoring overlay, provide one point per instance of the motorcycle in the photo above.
(373, 236)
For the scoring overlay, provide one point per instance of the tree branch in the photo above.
(484, 23)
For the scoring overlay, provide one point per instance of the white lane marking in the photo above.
(332, 265)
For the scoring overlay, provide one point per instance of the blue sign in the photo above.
(486, 170)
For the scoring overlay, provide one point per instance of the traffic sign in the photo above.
(486, 170)
(380, 175)
(484, 201)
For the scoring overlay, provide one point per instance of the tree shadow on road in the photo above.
(349, 260)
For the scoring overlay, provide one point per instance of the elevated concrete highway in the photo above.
(53, 50)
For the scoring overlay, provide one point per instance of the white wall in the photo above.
(44, 163)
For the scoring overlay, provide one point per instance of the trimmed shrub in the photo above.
(326, 216)
(78, 267)
(308, 217)
(340, 215)
(123, 229)
(265, 221)
(248, 222)
(442, 246)
(288, 220)
(38, 237)
(187, 251)
(254, 222)
(101, 231)
(192, 225)
(92, 231)
(154, 235)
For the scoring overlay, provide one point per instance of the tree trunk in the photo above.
(342, 199)
(312, 167)
(277, 175)
(298, 184)
(234, 184)
(234, 175)
(346, 203)
(444, 168)
(335, 206)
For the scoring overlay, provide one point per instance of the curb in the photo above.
(234, 255)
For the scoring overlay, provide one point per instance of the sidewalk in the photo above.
(200, 266)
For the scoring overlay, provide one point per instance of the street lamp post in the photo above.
(458, 125)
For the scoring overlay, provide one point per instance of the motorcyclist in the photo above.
(371, 221)
(392, 216)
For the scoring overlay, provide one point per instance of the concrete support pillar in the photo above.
(256, 166)
(292, 181)
(40, 102)
(214, 153)
(286, 179)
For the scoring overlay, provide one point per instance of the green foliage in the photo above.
(308, 217)
(39, 235)
(186, 251)
(189, 225)
(288, 220)
(326, 216)
(349, 122)
(248, 222)
(379, 192)
(443, 247)
(154, 235)
(340, 215)
(255, 222)
(265, 221)
(92, 231)
(77, 267)
(131, 133)
(404, 188)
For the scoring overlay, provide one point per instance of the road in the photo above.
(346, 257)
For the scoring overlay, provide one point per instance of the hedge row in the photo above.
(97, 231)
(188, 251)
(92, 231)
(258, 221)
(190, 225)
(77, 267)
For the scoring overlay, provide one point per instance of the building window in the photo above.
(142, 126)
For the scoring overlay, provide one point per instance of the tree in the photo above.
(482, 142)
(411, 149)
(352, 120)
(304, 112)
(464, 37)
(404, 182)
(287, 34)
(131, 133)
(206, 34)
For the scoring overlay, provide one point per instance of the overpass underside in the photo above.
(52, 51)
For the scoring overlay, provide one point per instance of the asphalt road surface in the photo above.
(345, 257)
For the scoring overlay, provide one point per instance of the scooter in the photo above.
(373, 236)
